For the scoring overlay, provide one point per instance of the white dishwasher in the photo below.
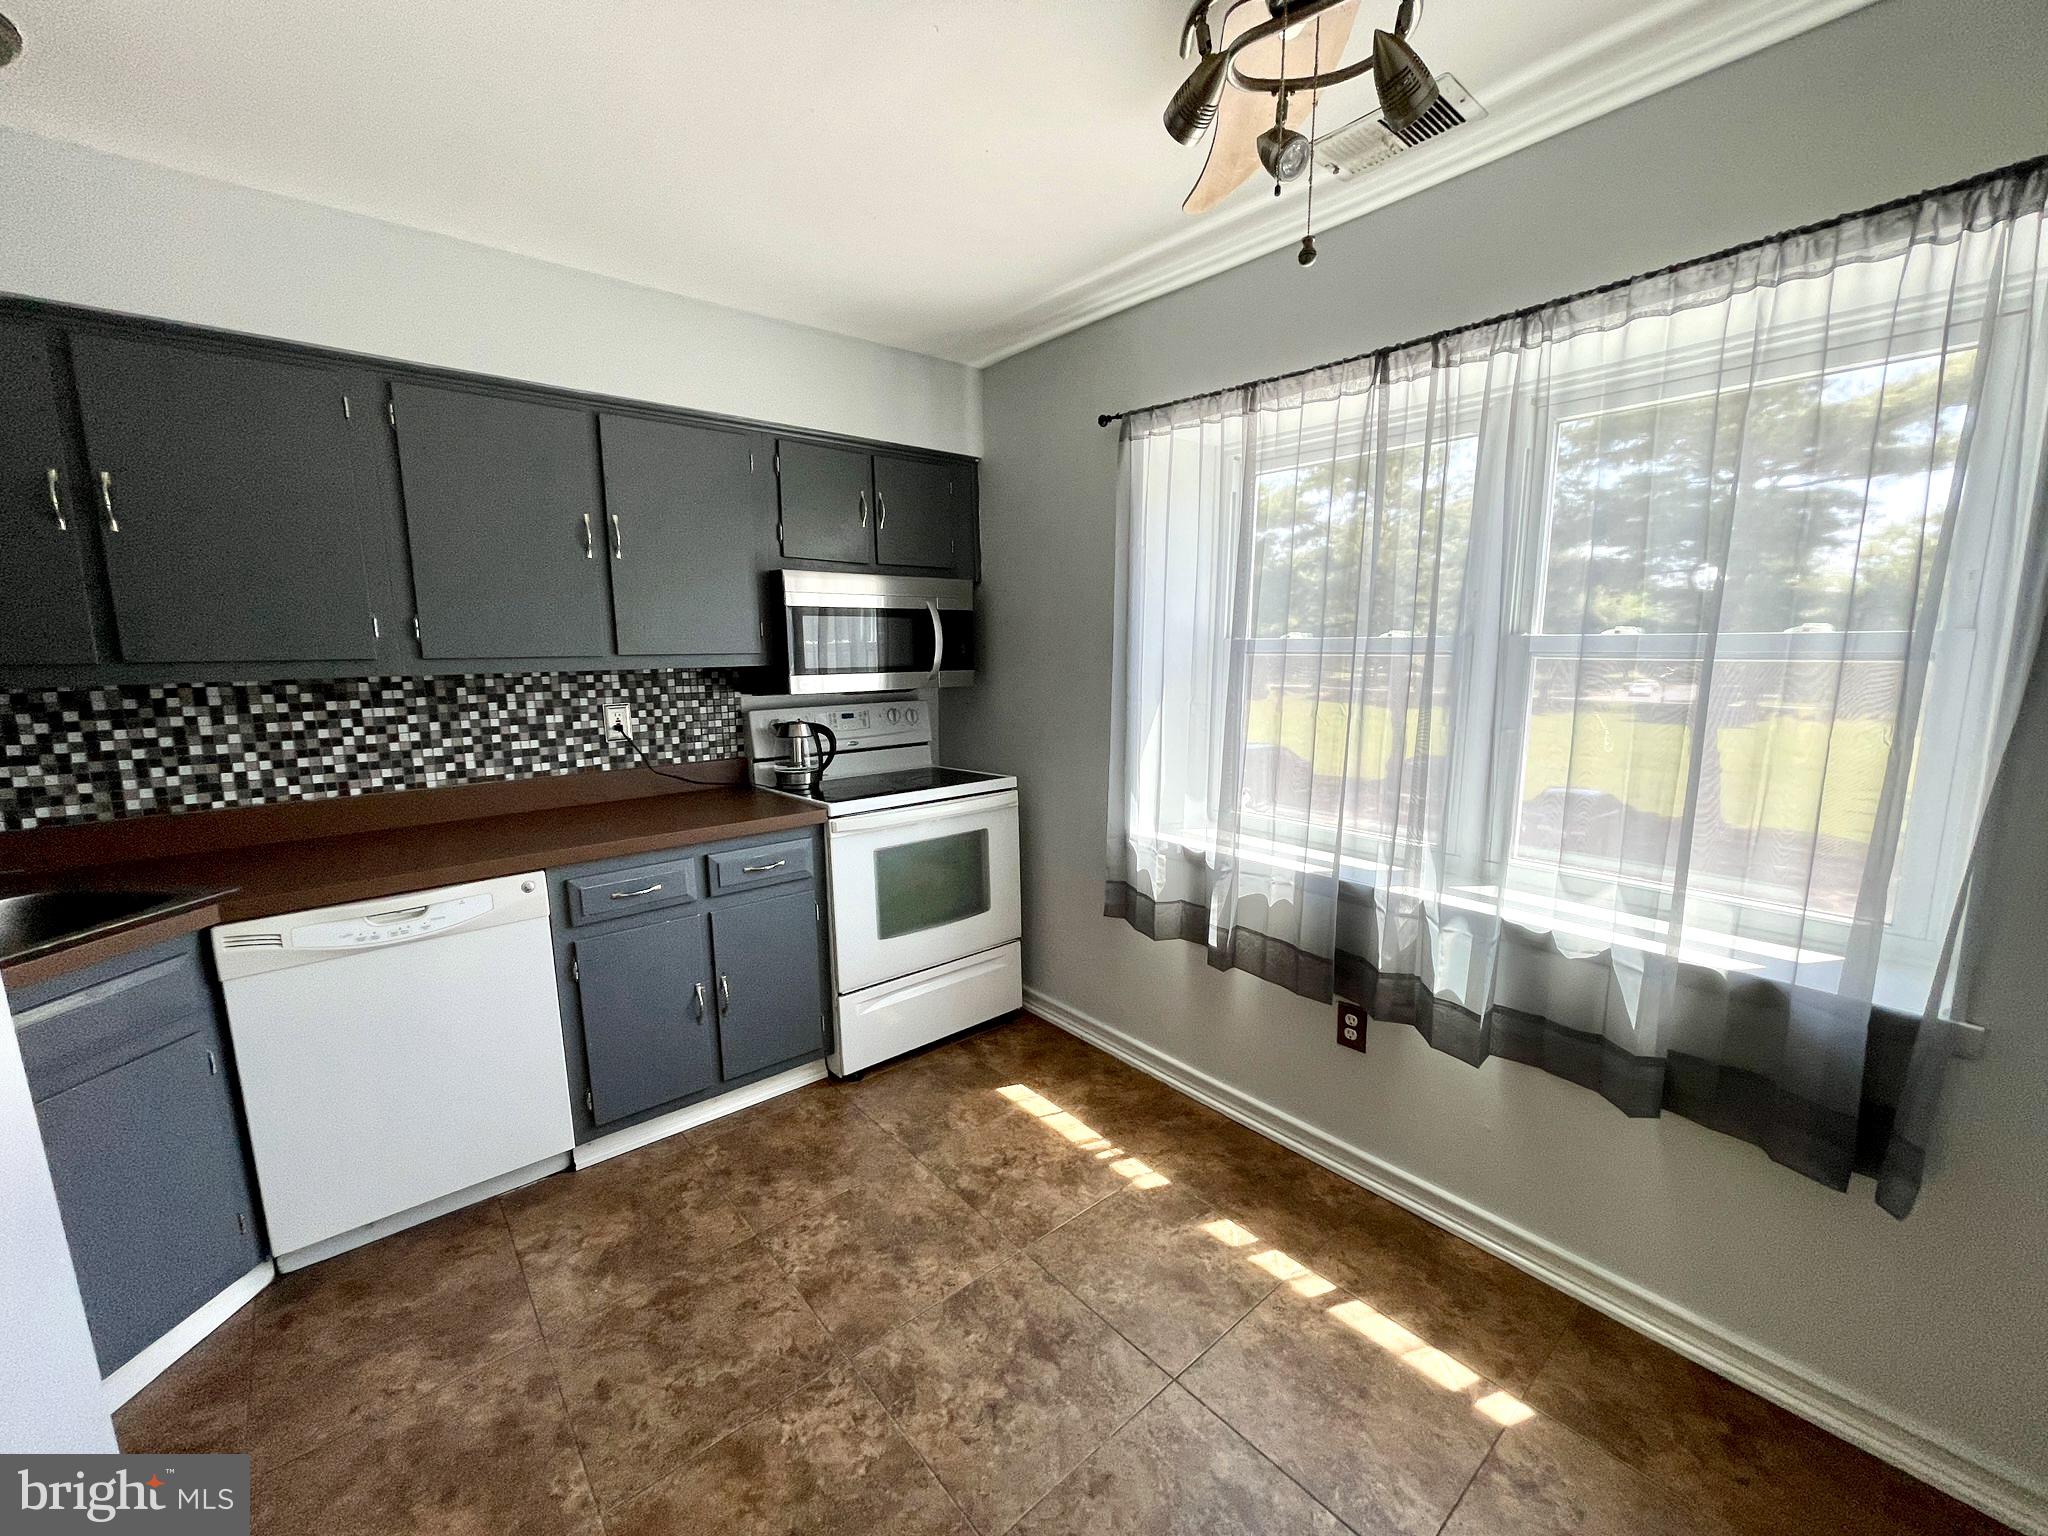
(398, 1058)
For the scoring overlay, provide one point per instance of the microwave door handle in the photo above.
(938, 641)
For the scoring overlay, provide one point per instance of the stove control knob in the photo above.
(910, 715)
(894, 714)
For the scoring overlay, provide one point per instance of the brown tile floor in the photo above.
(1007, 1284)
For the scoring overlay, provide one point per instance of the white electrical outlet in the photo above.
(617, 718)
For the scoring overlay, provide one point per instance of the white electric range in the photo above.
(921, 869)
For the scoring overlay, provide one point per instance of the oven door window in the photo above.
(832, 641)
(931, 883)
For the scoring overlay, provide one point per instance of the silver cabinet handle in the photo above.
(645, 890)
(881, 511)
(938, 641)
(863, 509)
(589, 547)
(724, 993)
(761, 869)
(107, 500)
(57, 505)
(618, 539)
(701, 1005)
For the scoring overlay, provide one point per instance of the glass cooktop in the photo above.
(905, 781)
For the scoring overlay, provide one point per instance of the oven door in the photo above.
(851, 633)
(916, 887)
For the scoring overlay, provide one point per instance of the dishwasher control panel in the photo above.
(394, 926)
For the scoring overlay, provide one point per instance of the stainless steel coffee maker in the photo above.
(807, 751)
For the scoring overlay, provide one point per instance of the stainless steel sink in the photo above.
(37, 922)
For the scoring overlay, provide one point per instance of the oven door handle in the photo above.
(938, 641)
(932, 813)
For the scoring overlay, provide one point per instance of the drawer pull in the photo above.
(761, 869)
(645, 890)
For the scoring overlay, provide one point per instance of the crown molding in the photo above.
(1608, 70)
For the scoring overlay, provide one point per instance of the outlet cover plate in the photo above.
(616, 718)
(1350, 1026)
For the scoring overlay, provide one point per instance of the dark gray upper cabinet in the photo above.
(917, 518)
(505, 519)
(827, 500)
(44, 613)
(688, 510)
(645, 998)
(226, 492)
(770, 997)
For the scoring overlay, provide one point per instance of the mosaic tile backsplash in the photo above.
(95, 754)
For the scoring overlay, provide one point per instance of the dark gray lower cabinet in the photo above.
(645, 995)
(770, 994)
(137, 1108)
(661, 1008)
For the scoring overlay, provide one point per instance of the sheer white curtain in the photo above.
(1616, 688)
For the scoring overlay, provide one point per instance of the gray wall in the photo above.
(103, 230)
(1941, 1322)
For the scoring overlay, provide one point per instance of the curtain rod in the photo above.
(1968, 183)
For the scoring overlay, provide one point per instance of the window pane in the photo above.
(930, 883)
(1823, 491)
(1788, 792)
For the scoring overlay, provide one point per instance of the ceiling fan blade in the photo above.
(1241, 116)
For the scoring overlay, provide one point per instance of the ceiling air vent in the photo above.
(1360, 146)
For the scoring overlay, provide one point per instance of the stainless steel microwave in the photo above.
(848, 632)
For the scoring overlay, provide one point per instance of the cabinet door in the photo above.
(504, 514)
(43, 612)
(687, 509)
(771, 995)
(917, 514)
(147, 1164)
(646, 1034)
(226, 491)
(827, 503)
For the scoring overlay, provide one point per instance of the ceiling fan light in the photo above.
(1194, 105)
(1406, 87)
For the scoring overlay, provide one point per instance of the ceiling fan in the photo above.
(1263, 71)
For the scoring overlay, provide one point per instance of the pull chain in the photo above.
(1307, 257)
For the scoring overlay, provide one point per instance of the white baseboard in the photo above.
(1999, 1490)
(159, 1357)
(661, 1127)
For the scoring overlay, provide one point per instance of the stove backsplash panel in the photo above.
(97, 754)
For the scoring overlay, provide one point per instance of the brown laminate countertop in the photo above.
(269, 878)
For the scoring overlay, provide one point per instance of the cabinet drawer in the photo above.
(102, 1027)
(742, 869)
(594, 898)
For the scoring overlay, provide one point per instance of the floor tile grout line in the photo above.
(860, 1379)
(1258, 1451)
(554, 1371)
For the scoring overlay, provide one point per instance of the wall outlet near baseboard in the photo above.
(1350, 1026)
(617, 718)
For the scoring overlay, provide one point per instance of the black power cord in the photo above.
(667, 773)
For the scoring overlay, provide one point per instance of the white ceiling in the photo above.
(957, 177)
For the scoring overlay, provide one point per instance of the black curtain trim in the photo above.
(1825, 1145)
(1968, 183)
